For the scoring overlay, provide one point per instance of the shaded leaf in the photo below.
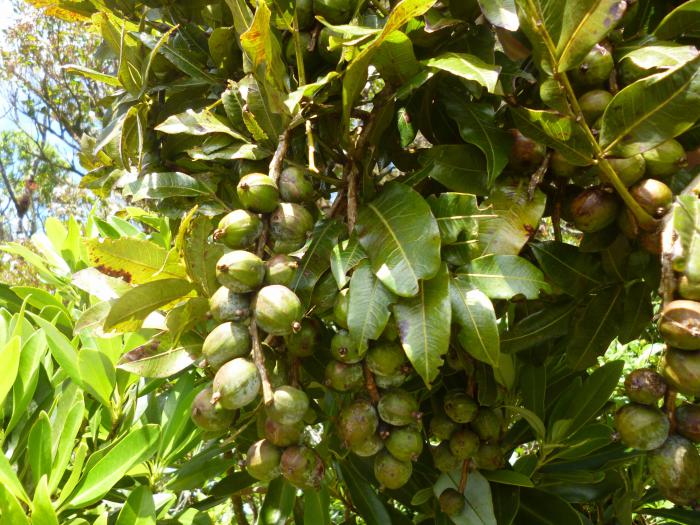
(457, 214)
(316, 259)
(344, 257)
(278, 503)
(683, 20)
(572, 271)
(368, 308)
(538, 327)
(478, 509)
(459, 167)
(370, 507)
(473, 311)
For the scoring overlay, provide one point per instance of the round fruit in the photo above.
(258, 192)
(595, 68)
(388, 382)
(676, 469)
(290, 222)
(357, 422)
(281, 269)
(386, 359)
(336, 12)
(451, 502)
(239, 229)
(340, 308)
(688, 289)
(236, 384)
(398, 407)
(653, 196)
(645, 386)
(641, 426)
(286, 246)
(226, 305)
(525, 154)
(369, 447)
(594, 209)
(629, 169)
(459, 407)
(344, 348)
(593, 104)
(489, 456)
(681, 370)
(302, 467)
(225, 342)
(210, 416)
(464, 444)
(444, 459)
(303, 342)
(263, 460)
(562, 167)
(240, 271)
(305, 14)
(295, 185)
(688, 421)
(344, 377)
(680, 324)
(278, 310)
(390, 472)
(665, 159)
(487, 424)
(405, 443)
(288, 405)
(442, 427)
(282, 435)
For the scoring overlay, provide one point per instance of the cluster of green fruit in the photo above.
(256, 294)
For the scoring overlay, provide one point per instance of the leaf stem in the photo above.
(299, 51)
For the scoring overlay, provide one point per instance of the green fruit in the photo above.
(442, 427)
(593, 104)
(288, 405)
(629, 169)
(282, 435)
(464, 444)
(236, 384)
(336, 12)
(665, 159)
(303, 343)
(405, 443)
(302, 467)
(391, 330)
(645, 386)
(627, 224)
(641, 426)
(345, 349)
(340, 308)
(525, 154)
(286, 246)
(305, 14)
(281, 269)
(263, 460)
(595, 68)
(389, 382)
(239, 229)
(653, 196)
(390, 472)
(210, 416)
(295, 185)
(489, 457)
(487, 424)
(258, 192)
(225, 342)
(680, 324)
(226, 305)
(443, 458)
(681, 370)
(688, 289)
(344, 377)
(386, 359)
(594, 209)
(330, 56)
(459, 407)
(278, 310)
(688, 421)
(451, 502)
(240, 271)
(562, 167)
(357, 422)
(676, 469)
(369, 447)
(290, 222)
(398, 407)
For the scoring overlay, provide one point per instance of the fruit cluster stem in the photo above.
(465, 476)
(370, 384)
(259, 359)
(278, 157)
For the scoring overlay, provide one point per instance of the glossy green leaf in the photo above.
(532, 419)
(201, 468)
(317, 506)
(365, 499)
(637, 313)
(39, 447)
(467, 67)
(146, 361)
(457, 214)
(478, 509)
(458, 167)
(368, 308)
(10, 508)
(61, 348)
(500, 13)
(661, 56)
(424, 325)
(65, 445)
(401, 238)
(278, 503)
(9, 363)
(164, 185)
(507, 477)
(139, 508)
(473, 311)
(33, 350)
(546, 509)
(538, 327)
(504, 277)
(98, 374)
(9, 480)
(43, 512)
(316, 259)
(684, 19)
(572, 271)
(192, 123)
(344, 257)
(180, 58)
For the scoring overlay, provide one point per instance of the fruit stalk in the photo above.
(278, 157)
(259, 360)
(370, 384)
(465, 476)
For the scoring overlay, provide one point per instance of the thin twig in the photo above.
(538, 177)
(278, 157)
(370, 384)
(465, 476)
(238, 511)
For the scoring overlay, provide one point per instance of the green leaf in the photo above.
(39, 447)
(263, 49)
(368, 309)
(136, 447)
(33, 350)
(507, 477)
(10, 508)
(424, 325)
(401, 238)
(242, 16)
(365, 499)
(683, 20)
(661, 56)
(532, 419)
(686, 224)
(500, 13)
(43, 512)
(233, 103)
(468, 67)
(278, 503)
(199, 254)
(145, 361)
(98, 374)
(316, 259)
(478, 509)
(571, 270)
(652, 110)
(457, 214)
(9, 480)
(317, 506)
(165, 184)
(595, 328)
(64, 449)
(9, 364)
(196, 123)
(86, 72)
(344, 257)
(548, 323)
(205, 466)
(458, 167)
(545, 508)
(637, 313)
(139, 508)
(473, 311)
(61, 348)
(504, 277)
(683, 516)
(180, 58)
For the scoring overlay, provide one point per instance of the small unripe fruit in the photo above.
(302, 467)
(345, 349)
(344, 377)
(278, 310)
(295, 185)
(368, 447)
(688, 421)
(305, 14)
(487, 424)
(263, 460)
(442, 427)
(208, 416)
(405, 443)
(562, 167)
(225, 342)
(681, 369)
(594, 209)
(303, 342)
(398, 408)
(391, 472)
(464, 444)
(282, 435)
(629, 169)
(258, 192)
(653, 196)
(459, 407)
(386, 359)
(489, 457)
(641, 426)
(444, 459)
(289, 405)
(340, 308)
(595, 68)
(680, 324)
(688, 289)
(645, 386)
(227, 305)
(281, 269)
(286, 246)
(593, 104)
(236, 384)
(389, 382)
(290, 221)
(357, 422)
(240, 271)
(451, 502)
(675, 468)
(239, 229)
(665, 159)
(525, 154)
